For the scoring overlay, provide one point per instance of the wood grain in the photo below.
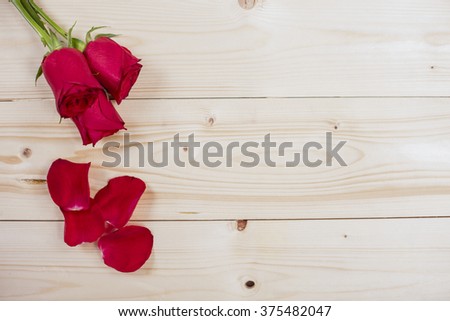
(280, 48)
(396, 151)
(377, 229)
(406, 259)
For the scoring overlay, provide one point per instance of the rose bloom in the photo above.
(73, 85)
(80, 96)
(113, 65)
(98, 121)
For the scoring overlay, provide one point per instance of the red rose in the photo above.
(80, 96)
(113, 65)
(71, 80)
(98, 121)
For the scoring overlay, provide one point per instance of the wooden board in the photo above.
(374, 74)
(396, 150)
(280, 48)
(293, 260)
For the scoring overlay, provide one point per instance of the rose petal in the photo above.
(117, 200)
(128, 81)
(82, 226)
(68, 184)
(127, 249)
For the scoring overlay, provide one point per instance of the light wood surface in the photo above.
(280, 48)
(396, 152)
(375, 74)
(290, 260)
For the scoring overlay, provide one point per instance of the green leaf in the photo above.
(69, 36)
(38, 74)
(107, 35)
(89, 33)
(55, 43)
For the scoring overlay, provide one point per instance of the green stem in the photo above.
(41, 31)
(52, 23)
(32, 13)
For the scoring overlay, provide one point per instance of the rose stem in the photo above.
(52, 23)
(37, 26)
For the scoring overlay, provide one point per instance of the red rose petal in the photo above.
(117, 200)
(68, 184)
(127, 249)
(82, 226)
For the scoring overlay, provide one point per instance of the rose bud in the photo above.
(113, 65)
(98, 121)
(73, 85)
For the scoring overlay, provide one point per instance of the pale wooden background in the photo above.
(376, 73)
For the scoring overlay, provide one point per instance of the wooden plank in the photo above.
(396, 151)
(204, 48)
(403, 259)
